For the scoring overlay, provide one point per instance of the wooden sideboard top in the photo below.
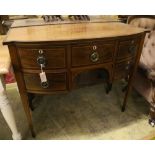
(64, 32)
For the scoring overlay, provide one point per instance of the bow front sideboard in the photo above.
(65, 53)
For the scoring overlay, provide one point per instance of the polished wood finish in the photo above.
(122, 69)
(75, 55)
(68, 32)
(55, 56)
(127, 48)
(57, 82)
(81, 53)
(132, 73)
(21, 87)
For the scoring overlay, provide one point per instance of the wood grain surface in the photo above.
(64, 32)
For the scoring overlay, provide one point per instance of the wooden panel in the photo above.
(81, 54)
(54, 57)
(127, 48)
(56, 81)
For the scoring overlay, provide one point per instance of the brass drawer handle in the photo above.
(41, 60)
(94, 57)
(45, 84)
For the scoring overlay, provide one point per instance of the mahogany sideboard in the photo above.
(62, 53)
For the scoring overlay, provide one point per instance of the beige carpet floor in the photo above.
(86, 113)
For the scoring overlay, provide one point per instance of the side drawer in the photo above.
(93, 53)
(122, 69)
(54, 57)
(127, 48)
(56, 82)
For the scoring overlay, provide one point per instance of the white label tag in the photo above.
(43, 77)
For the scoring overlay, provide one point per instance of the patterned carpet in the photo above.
(86, 113)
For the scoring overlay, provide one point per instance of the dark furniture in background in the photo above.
(123, 18)
(6, 21)
(3, 27)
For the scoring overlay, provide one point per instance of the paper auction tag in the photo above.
(43, 77)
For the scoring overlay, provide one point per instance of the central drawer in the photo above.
(54, 57)
(93, 53)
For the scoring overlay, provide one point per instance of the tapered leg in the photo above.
(7, 111)
(21, 86)
(25, 101)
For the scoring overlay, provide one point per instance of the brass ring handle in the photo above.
(41, 60)
(44, 84)
(94, 57)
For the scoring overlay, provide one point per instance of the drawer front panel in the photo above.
(122, 69)
(127, 48)
(56, 82)
(54, 57)
(87, 54)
